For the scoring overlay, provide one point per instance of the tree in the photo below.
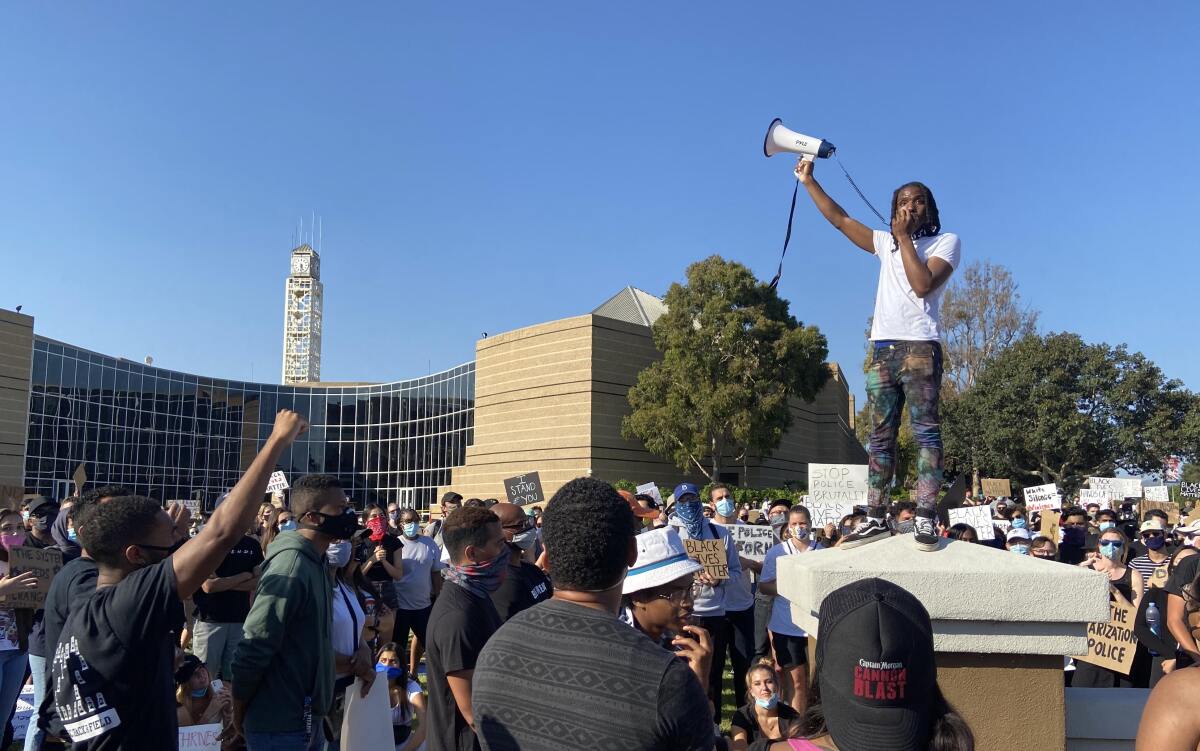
(1055, 409)
(732, 356)
(981, 315)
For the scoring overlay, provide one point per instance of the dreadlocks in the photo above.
(934, 224)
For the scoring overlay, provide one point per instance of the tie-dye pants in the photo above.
(905, 372)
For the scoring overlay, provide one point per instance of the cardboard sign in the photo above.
(1170, 509)
(1189, 489)
(1112, 645)
(278, 481)
(1156, 493)
(1098, 496)
(828, 513)
(997, 488)
(650, 489)
(524, 489)
(837, 483)
(45, 562)
(711, 555)
(1158, 577)
(200, 737)
(752, 540)
(979, 517)
(1119, 488)
(367, 722)
(1049, 527)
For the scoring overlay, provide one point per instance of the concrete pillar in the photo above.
(1002, 623)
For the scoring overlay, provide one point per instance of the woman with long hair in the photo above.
(763, 715)
(405, 699)
(1124, 583)
(199, 701)
(278, 520)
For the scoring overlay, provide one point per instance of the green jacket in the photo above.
(286, 653)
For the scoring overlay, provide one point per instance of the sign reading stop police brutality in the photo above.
(837, 483)
(524, 489)
(1112, 645)
(1042, 498)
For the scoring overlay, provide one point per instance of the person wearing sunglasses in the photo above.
(1152, 564)
(526, 585)
(1124, 583)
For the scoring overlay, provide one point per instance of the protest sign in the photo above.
(200, 737)
(44, 562)
(191, 504)
(1112, 644)
(278, 481)
(651, 490)
(1003, 524)
(828, 513)
(979, 517)
(1049, 526)
(367, 722)
(1119, 488)
(1156, 493)
(1189, 489)
(711, 555)
(24, 712)
(997, 488)
(1158, 577)
(838, 483)
(752, 540)
(1098, 496)
(1168, 508)
(1042, 497)
(524, 489)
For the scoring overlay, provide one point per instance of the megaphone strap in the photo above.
(854, 185)
(788, 237)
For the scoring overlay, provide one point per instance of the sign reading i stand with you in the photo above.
(1042, 498)
(837, 483)
(524, 489)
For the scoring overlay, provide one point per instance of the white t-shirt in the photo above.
(899, 313)
(739, 593)
(420, 557)
(781, 610)
(347, 614)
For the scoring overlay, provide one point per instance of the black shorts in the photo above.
(790, 651)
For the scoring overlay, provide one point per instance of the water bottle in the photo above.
(1154, 622)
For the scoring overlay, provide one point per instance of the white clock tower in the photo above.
(302, 318)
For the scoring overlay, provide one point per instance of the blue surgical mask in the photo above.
(288, 526)
(338, 553)
(392, 672)
(199, 693)
(1105, 526)
(1020, 549)
(71, 534)
(410, 529)
(769, 702)
(1110, 551)
(1019, 523)
(725, 507)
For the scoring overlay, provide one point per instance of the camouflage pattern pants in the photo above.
(905, 372)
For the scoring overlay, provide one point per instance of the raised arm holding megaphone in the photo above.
(915, 260)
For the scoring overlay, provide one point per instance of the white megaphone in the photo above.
(780, 139)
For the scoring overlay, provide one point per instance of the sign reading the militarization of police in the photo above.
(752, 540)
(524, 489)
(1112, 645)
(1042, 498)
(837, 483)
(711, 555)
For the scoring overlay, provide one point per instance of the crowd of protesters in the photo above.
(583, 624)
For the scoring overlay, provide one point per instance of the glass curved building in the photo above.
(172, 435)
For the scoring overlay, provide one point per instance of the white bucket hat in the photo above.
(661, 559)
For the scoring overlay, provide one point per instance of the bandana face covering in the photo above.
(692, 516)
(480, 579)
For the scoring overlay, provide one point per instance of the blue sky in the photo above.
(480, 167)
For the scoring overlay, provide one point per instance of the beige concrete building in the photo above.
(550, 399)
(16, 357)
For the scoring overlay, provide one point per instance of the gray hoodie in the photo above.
(710, 600)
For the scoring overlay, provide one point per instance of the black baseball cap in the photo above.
(875, 665)
(42, 506)
(188, 668)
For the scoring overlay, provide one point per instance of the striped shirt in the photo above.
(1144, 566)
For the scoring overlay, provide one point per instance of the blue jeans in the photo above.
(296, 741)
(12, 677)
(33, 735)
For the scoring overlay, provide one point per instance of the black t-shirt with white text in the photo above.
(460, 624)
(524, 587)
(230, 606)
(70, 589)
(113, 668)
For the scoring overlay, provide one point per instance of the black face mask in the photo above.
(338, 526)
(167, 551)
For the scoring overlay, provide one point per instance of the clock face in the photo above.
(300, 264)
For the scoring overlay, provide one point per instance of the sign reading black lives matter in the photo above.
(524, 489)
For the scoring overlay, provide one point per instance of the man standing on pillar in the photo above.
(916, 259)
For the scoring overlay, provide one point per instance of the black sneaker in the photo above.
(925, 532)
(868, 530)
